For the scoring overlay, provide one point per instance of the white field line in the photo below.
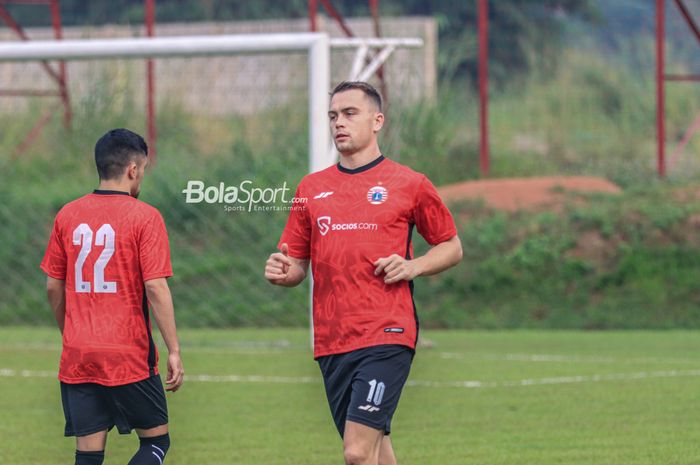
(9, 373)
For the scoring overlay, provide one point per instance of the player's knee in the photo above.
(355, 455)
(89, 458)
(158, 444)
(152, 450)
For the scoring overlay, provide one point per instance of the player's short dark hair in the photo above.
(115, 150)
(365, 87)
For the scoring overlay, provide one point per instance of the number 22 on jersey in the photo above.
(82, 236)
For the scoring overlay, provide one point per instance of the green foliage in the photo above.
(610, 262)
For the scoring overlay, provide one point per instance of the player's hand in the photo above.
(396, 268)
(277, 265)
(176, 374)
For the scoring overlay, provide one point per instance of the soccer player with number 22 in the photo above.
(355, 229)
(108, 257)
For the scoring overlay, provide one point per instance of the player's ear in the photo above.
(132, 170)
(378, 121)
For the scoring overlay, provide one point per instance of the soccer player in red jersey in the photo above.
(107, 258)
(355, 228)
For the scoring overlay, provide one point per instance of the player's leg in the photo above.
(361, 444)
(386, 452)
(376, 389)
(89, 417)
(363, 388)
(153, 445)
(143, 407)
(90, 449)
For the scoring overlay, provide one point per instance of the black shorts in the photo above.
(364, 385)
(90, 408)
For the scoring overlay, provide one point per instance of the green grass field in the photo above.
(488, 398)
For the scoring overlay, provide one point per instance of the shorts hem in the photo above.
(149, 426)
(353, 348)
(365, 422)
(87, 432)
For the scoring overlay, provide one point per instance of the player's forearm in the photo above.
(161, 301)
(56, 292)
(440, 257)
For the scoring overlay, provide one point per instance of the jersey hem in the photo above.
(346, 349)
(50, 274)
(444, 238)
(103, 382)
(162, 274)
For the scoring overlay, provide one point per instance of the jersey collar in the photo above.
(362, 168)
(105, 192)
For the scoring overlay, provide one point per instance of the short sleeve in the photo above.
(54, 262)
(154, 249)
(433, 220)
(297, 232)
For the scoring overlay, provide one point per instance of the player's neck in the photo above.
(114, 185)
(358, 159)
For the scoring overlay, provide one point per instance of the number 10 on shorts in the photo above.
(376, 392)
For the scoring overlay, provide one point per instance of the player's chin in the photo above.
(344, 147)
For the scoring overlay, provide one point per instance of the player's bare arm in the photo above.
(161, 301)
(439, 258)
(56, 291)
(283, 270)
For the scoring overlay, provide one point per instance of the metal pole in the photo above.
(374, 9)
(660, 97)
(63, 82)
(150, 83)
(483, 86)
(338, 18)
(688, 18)
(14, 25)
(313, 10)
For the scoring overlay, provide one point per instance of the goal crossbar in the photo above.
(316, 44)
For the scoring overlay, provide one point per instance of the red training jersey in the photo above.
(351, 219)
(105, 245)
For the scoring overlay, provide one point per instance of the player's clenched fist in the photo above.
(396, 268)
(277, 266)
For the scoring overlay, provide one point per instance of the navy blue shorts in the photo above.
(90, 408)
(364, 385)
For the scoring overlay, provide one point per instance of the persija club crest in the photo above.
(377, 195)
